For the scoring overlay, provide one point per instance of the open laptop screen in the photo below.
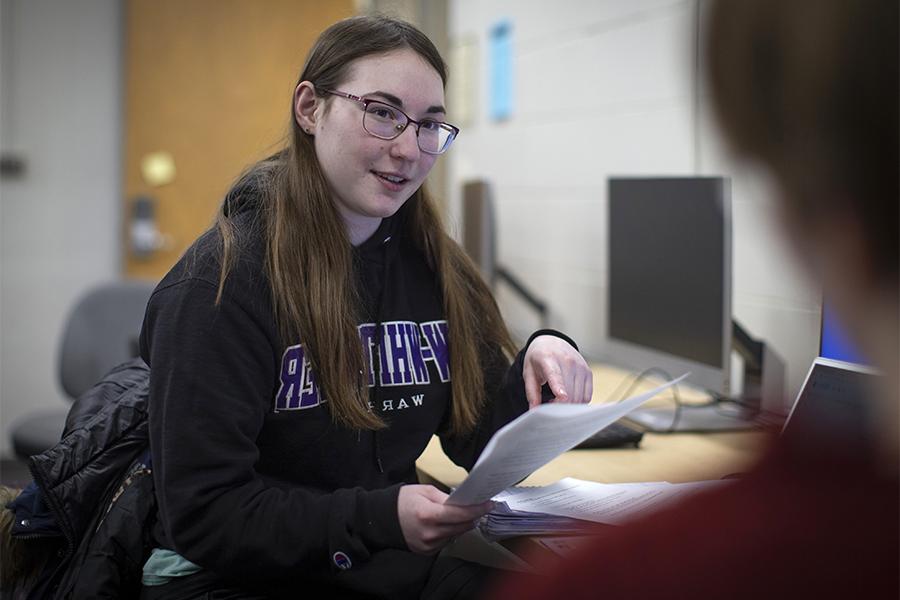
(831, 402)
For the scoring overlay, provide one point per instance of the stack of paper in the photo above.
(534, 439)
(571, 505)
(504, 522)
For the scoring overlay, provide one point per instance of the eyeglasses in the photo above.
(388, 122)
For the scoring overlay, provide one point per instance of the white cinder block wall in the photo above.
(608, 87)
(601, 87)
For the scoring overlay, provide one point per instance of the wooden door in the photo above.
(207, 83)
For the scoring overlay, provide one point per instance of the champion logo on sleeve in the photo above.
(341, 560)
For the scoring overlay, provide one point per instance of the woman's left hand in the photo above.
(554, 361)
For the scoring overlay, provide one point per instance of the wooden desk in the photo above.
(673, 457)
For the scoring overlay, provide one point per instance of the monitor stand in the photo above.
(693, 418)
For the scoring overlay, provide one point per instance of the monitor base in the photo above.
(705, 418)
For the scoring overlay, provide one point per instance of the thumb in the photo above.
(433, 494)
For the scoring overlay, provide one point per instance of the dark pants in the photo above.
(449, 579)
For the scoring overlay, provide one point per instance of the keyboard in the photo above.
(615, 435)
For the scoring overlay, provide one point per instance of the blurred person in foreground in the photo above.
(807, 90)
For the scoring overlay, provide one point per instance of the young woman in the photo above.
(305, 349)
(807, 90)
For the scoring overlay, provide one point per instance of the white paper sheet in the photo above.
(536, 438)
(608, 503)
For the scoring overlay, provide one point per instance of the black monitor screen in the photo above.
(669, 281)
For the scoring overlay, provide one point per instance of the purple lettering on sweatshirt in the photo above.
(367, 337)
(404, 351)
(435, 347)
(298, 388)
(396, 368)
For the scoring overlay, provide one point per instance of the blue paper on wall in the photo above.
(500, 70)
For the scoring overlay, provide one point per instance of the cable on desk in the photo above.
(679, 404)
(718, 401)
(753, 409)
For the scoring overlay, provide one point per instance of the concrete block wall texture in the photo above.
(599, 89)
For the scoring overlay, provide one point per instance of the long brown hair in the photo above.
(309, 259)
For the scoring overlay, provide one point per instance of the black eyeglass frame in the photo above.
(365, 102)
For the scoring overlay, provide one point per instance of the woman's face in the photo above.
(356, 164)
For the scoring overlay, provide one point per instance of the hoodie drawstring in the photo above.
(376, 392)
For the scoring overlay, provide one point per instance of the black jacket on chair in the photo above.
(96, 492)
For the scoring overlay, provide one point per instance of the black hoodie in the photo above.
(254, 479)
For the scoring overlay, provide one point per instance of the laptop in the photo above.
(832, 402)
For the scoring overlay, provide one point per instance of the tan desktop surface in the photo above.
(675, 457)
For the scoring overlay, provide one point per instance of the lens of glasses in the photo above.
(384, 121)
(435, 137)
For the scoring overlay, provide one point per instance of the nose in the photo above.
(406, 145)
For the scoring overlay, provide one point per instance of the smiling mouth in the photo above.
(395, 179)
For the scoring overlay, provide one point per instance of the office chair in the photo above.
(101, 331)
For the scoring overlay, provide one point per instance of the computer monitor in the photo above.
(670, 288)
(479, 229)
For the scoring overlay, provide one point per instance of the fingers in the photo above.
(532, 386)
(433, 494)
(450, 514)
(582, 386)
(452, 523)
(437, 512)
(554, 361)
(555, 380)
(588, 387)
(428, 523)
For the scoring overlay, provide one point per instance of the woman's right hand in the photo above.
(428, 524)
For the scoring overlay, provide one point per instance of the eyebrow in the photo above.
(399, 103)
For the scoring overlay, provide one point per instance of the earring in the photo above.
(307, 130)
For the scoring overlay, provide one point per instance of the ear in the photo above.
(305, 104)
